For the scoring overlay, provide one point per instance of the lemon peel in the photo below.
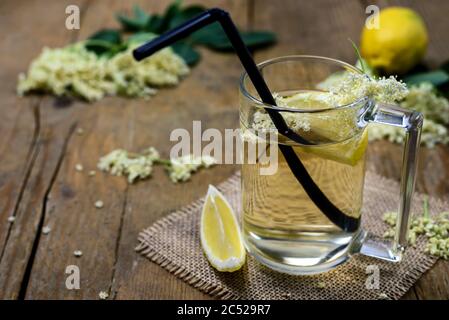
(399, 42)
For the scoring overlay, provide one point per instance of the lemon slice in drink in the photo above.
(333, 125)
(220, 233)
(349, 152)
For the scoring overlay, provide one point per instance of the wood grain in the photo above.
(40, 147)
(208, 95)
(107, 236)
(27, 158)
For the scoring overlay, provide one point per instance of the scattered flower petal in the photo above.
(46, 230)
(103, 295)
(321, 285)
(383, 296)
(77, 253)
(181, 169)
(99, 204)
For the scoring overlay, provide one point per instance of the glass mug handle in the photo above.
(411, 122)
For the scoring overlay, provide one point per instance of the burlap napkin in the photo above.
(173, 242)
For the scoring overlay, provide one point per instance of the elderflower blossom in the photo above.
(119, 162)
(422, 98)
(77, 71)
(341, 89)
(346, 87)
(432, 133)
(140, 166)
(180, 169)
(354, 86)
(436, 230)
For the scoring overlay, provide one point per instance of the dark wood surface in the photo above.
(39, 146)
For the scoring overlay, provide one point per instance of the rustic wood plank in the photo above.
(310, 27)
(209, 94)
(41, 179)
(75, 222)
(26, 139)
(70, 211)
(132, 124)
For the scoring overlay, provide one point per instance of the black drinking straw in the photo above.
(218, 15)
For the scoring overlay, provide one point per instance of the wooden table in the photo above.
(39, 146)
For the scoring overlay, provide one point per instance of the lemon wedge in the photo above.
(220, 233)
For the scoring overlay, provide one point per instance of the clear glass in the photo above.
(282, 227)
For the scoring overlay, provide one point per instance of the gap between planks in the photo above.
(32, 156)
(30, 159)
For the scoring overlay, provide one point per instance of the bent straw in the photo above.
(218, 15)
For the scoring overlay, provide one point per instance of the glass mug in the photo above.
(281, 226)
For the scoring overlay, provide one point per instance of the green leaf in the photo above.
(107, 35)
(445, 66)
(172, 11)
(217, 40)
(154, 24)
(104, 48)
(129, 24)
(258, 39)
(104, 42)
(99, 47)
(190, 55)
(359, 56)
(436, 77)
(140, 15)
(135, 23)
(185, 14)
(208, 34)
(141, 37)
(116, 49)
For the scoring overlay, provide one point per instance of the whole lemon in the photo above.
(398, 44)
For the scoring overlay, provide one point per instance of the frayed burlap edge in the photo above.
(412, 276)
(216, 290)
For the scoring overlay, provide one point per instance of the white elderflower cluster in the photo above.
(353, 86)
(432, 133)
(135, 166)
(346, 87)
(436, 230)
(180, 169)
(138, 79)
(73, 70)
(422, 98)
(340, 89)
